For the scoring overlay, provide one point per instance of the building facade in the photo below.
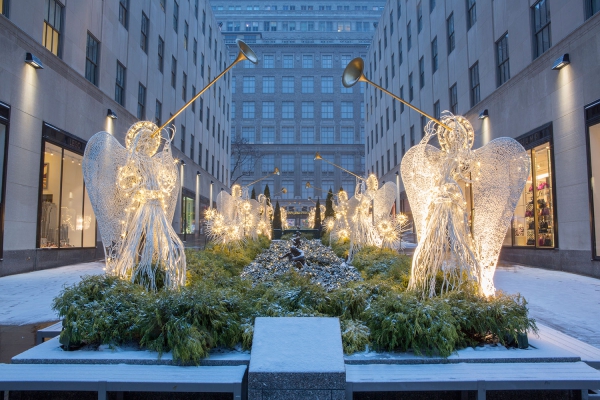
(105, 65)
(523, 69)
(292, 103)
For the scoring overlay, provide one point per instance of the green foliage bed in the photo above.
(217, 308)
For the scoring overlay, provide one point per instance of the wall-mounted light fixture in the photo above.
(33, 61)
(484, 114)
(111, 114)
(182, 163)
(198, 173)
(561, 61)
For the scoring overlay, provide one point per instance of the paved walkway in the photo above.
(567, 302)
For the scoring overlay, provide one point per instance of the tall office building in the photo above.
(523, 69)
(101, 60)
(292, 103)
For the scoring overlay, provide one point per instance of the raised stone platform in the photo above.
(297, 358)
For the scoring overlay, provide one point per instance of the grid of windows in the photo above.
(268, 135)
(308, 109)
(327, 109)
(287, 110)
(541, 27)
(502, 57)
(91, 59)
(347, 135)
(120, 84)
(287, 134)
(248, 84)
(450, 31)
(53, 26)
(268, 84)
(307, 135)
(474, 80)
(308, 84)
(287, 84)
(327, 84)
(268, 109)
(347, 109)
(248, 109)
(327, 135)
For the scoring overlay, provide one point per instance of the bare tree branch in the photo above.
(243, 159)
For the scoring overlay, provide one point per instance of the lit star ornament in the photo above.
(496, 172)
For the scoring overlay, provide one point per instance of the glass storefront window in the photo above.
(533, 221)
(189, 215)
(594, 151)
(66, 218)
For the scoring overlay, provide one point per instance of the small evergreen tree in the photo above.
(329, 212)
(267, 192)
(253, 195)
(277, 217)
(318, 216)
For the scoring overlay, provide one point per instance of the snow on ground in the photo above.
(566, 302)
(27, 298)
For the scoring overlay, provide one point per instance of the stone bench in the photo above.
(48, 332)
(478, 377)
(588, 353)
(123, 378)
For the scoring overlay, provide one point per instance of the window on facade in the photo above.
(308, 110)
(403, 142)
(396, 153)
(287, 164)
(471, 13)
(268, 109)
(53, 26)
(325, 167)
(287, 110)
(248, 109)
(173, 72)
(436, 110)
(410, 87)
(67, 219)
(591, 7)
(182, 133)
(202, 65)
(541, 27)
(593, 130)
(268, 135)
(248, 134)
(450, 31)
(120, 84)
(184, 87)
(268, 61)
(248, 84)
(141, 106)
(408, 37)
(402, 97)
(347, 135)
(91, 59)
(176, 16)
(158, 113)
(186, 30)
(288, 134)
(453, 100)
(327, 135)
(307, 61)
(123, 12)
(503, 69)
(308, 84)
(195, 50)
(421, 72)
(308, 163)
(268, 84)
(327, 61)
(232, 110)
(287, 84)
(347, 109)
(307, 135)
(268, 163)
(419, 18)
(434, 55)
(288, 61)
(327, 84)
(161, 53)
(144, 33)
(327, 109)
(474, 81)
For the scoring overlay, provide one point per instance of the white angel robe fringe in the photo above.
(133, 191)
(434, 180)
(238, 218)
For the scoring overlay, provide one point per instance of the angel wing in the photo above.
(499, 171)
(384, 199)
(226, 205)
(420, 170)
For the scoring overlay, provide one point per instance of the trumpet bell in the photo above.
(247, 51)
(353, 72)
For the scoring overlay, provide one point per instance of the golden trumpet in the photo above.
(245, 53)
(354, 73)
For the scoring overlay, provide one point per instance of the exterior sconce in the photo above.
(182, 163)
(484, 114)
(198, 173)
(561, 61)
(33, 61)
(111, 114)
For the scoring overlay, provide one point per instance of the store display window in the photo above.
(189, 215)
(4, 124)
(66, 218)
(592, 114)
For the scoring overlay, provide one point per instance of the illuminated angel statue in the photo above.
(133, 191)
(433, 180)
(284, 220)
(265, 216)
(340, 227)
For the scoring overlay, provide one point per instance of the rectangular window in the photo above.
(287, 84)
(307, 135)
(434, 55)
(387, 119)
(393, 67)
(202, 65)
(268, 164)
(403, 142)
(120, 84)
(436, 110)
(268, 84)
(402, 97)
(287, 164)
(453, 100)
(474, 80)
(53, 26)
(591, 7)
(287, 110)
(327, 84)
(192, 145)
(195, 52)
(248, 84)
(182, 133)
(423, 124)
(123, 12)
(268, 109)
(347, 109)
(176, 16)
(268, 136)
(503, 69)
(203, 22)
(400, 52)
(347, 135)
(308, 109)
(308, 163)
(419, 18)
(248, 109)
(392, 22)
(385, 38)
(327, 135)
(184, 88)
(394, 111)
(450, 31)
(141, 107)
(232, 110)
(173, 72)
(288, 61)
(327, 61)
(327, 109)
(408, 37)
(91, 59)
(412, 135)
(395, 153)
(248, 134)
(410, 87)
(144, 33)
(67, 219)
(287, 135)
(431, 5)
(541, 27)
(158, 113)
(307, 61)
(421, 72)
(268, 61)
(308, 84)
(471, 13)
(161, 53)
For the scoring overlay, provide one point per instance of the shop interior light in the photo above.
(484, 114)
(561, 61)
(111, 114)
(33, 61)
